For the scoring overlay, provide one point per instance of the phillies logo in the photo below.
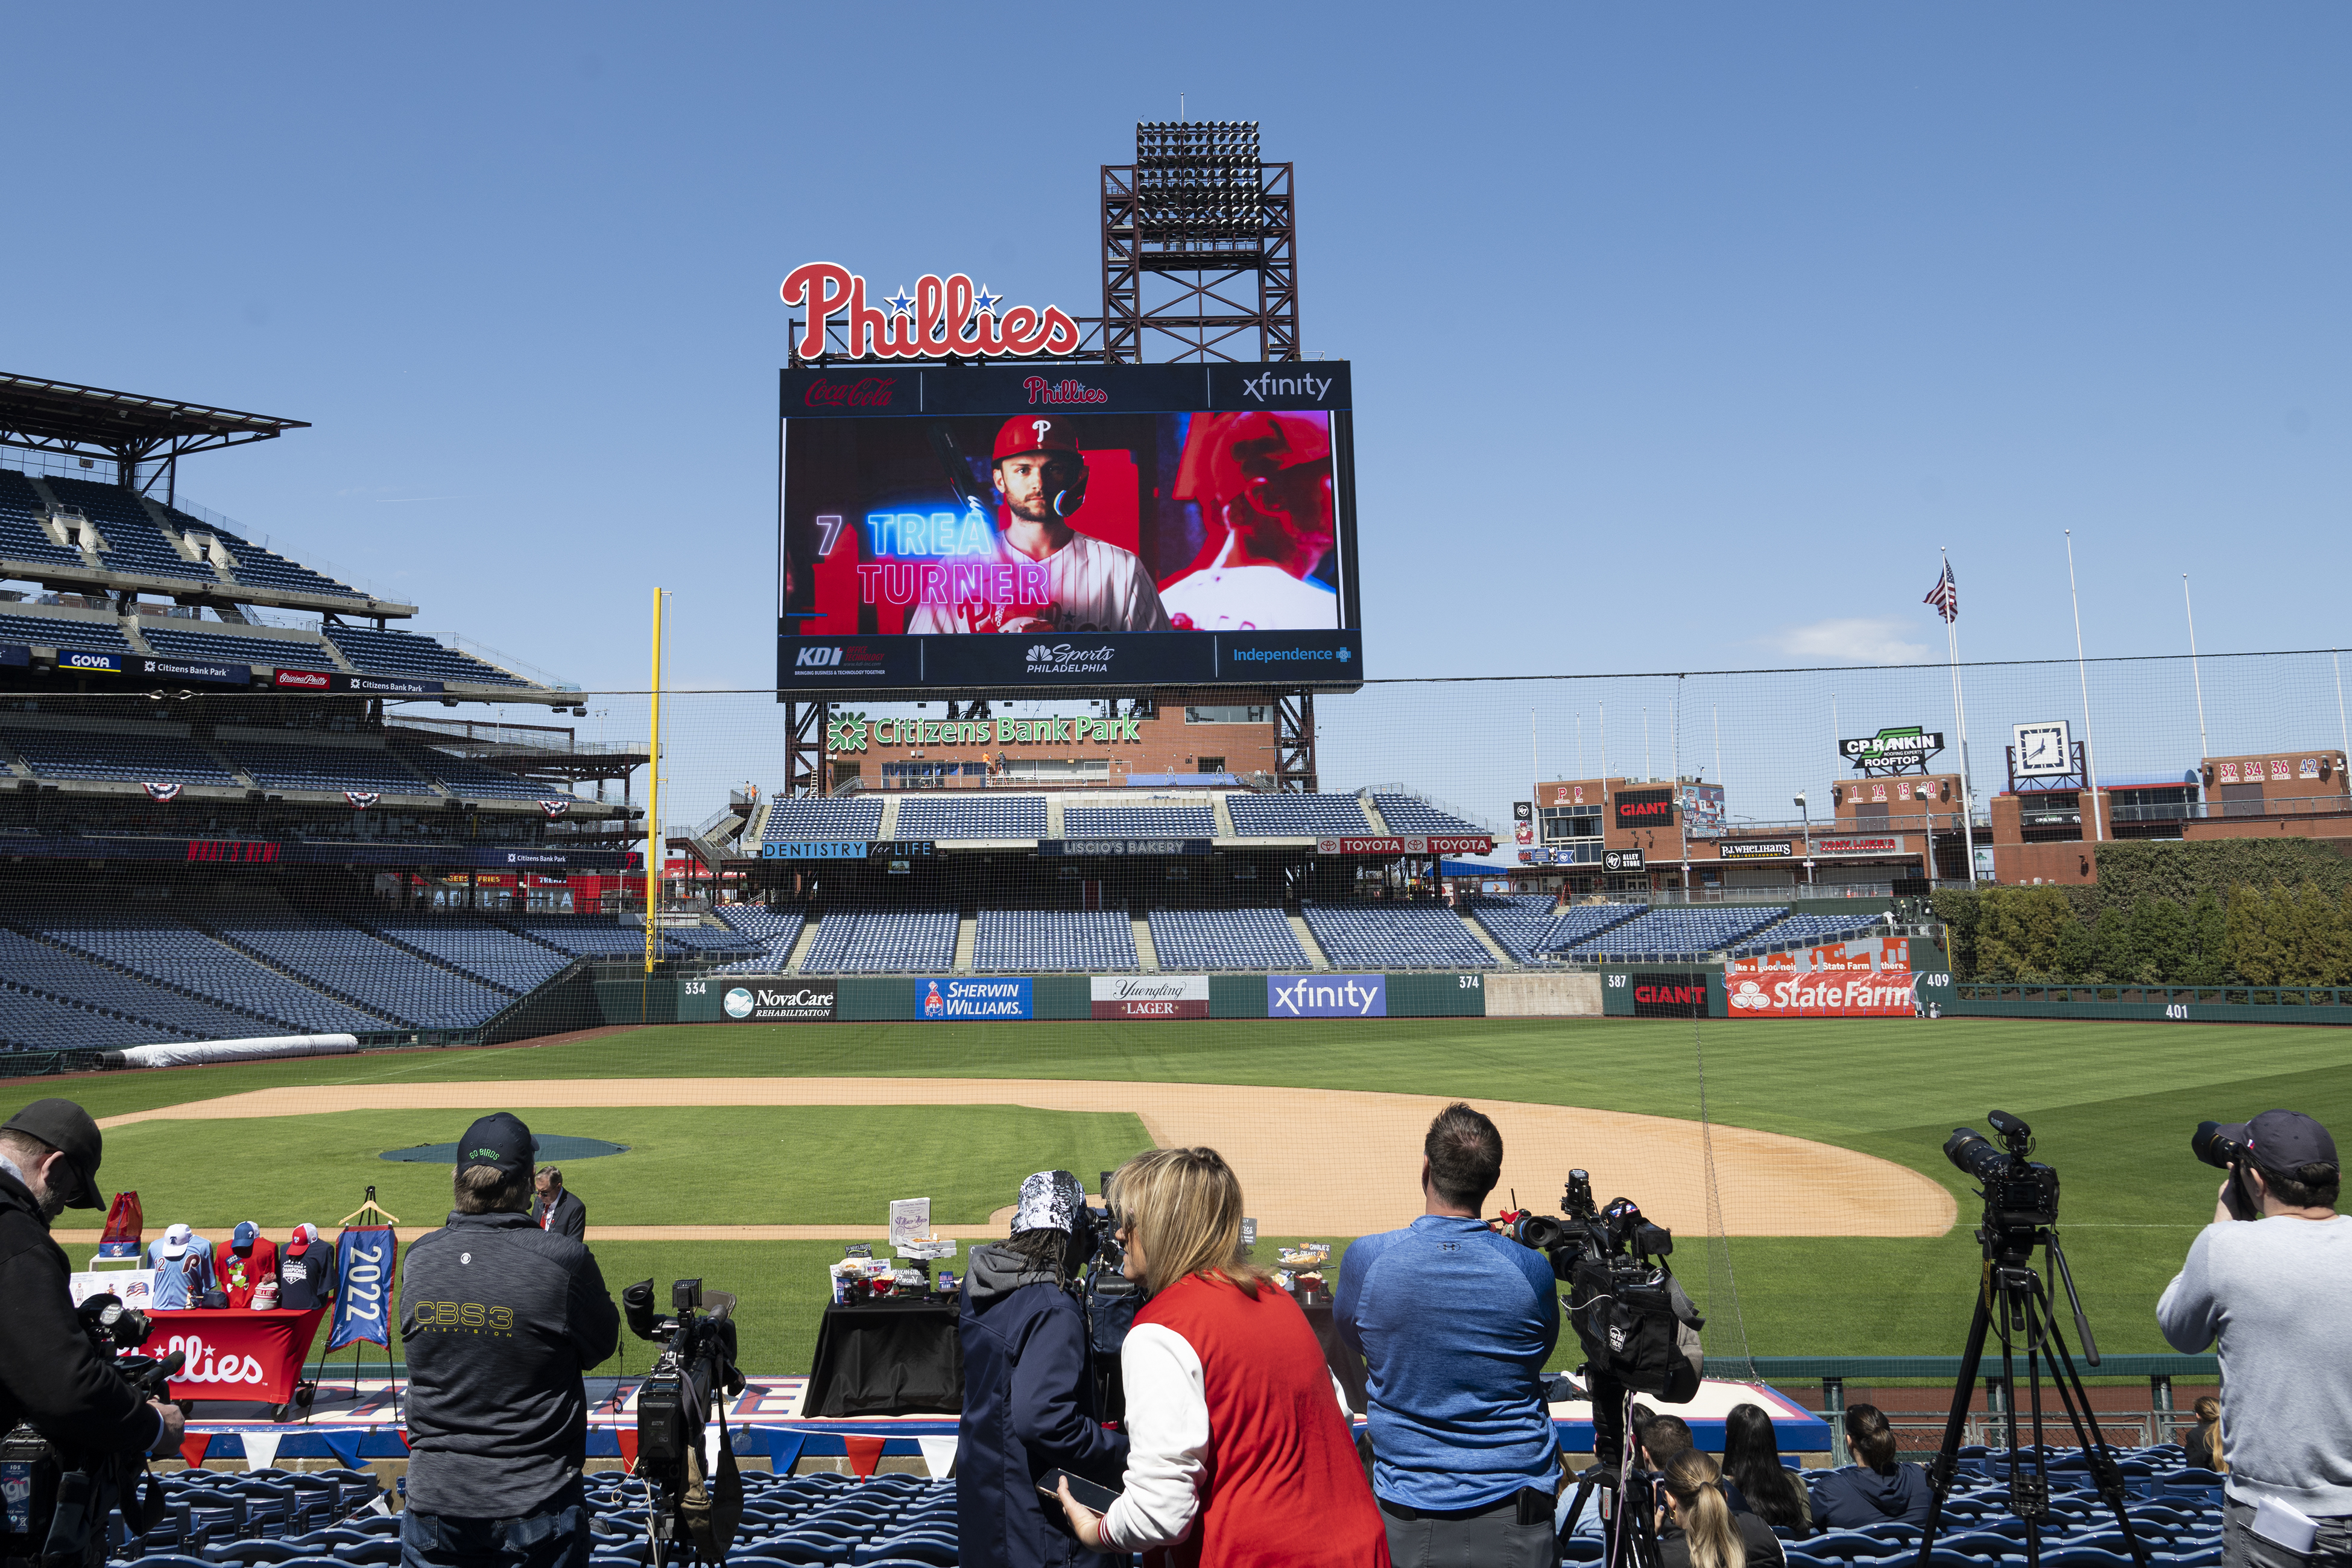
(205, 1365)
(873, 391)
(1052, 394)
(943, 317)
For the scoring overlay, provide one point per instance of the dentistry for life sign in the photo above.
(1823, 993)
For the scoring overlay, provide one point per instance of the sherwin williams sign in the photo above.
(1327, 995)
(955, 997)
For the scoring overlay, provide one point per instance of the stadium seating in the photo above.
(1297, 816)
(22, 538)
(1685, 931)
(162, 758)
(1806, 929)
(133, 542)
(480, 947)
(83, 984)
(792, 818)
(1525, 924)
(259, 567)
(407, 654)
(883, 941)
(1396, 936)
(176, 641)
(973, 814)
(776, 930)
(64, 631)
(469, 780)
(1138, 822)
(1048, 941)
(323, 767)
(188, 960)
(1225, 939)
(1410, 813)
(369, 971)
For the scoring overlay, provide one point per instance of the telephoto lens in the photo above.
(1974, 1154)
(2208, 1144)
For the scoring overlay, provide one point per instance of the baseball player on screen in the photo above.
(1268, 480)
(1093, 586)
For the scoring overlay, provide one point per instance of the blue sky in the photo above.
(1683, 336)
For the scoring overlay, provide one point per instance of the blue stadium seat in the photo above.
(134, 545)
(883, 941)
(1297, 816)
(1806, 929)
(405, 653)
(1410, 813)
(1396, 936)
(1169, 821)
(974, 814)
(1225, 939)
(776, 930)
(22, 538)
(166, 756)
(480, 947)
(794, 820)
(469, 780)
(175, 640)
(185, 959)
(1047, 940)
(332, 769)
(353, 963)
(95, 633)
(1676, 930)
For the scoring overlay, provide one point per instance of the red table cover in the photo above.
(236, 1353)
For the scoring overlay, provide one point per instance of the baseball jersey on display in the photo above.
(240, 1276)
(1240, 598)
(307, 1280)
(179, 1282)
(1094, 587)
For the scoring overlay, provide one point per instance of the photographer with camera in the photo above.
(498, 1319)
(1029, 1383)
(2277, 1295)
(1455, 1323)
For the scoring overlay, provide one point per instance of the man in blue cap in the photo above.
(498, 1319)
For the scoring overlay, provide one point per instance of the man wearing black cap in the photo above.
(49, 1374)
(500, 1319)
(2277, 1294)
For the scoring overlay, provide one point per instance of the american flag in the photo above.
(1944, 595)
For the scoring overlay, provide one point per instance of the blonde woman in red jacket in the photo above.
(1240, 1450)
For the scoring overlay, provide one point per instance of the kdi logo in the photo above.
(817, 657)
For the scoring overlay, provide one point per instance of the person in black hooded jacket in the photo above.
(1029, 1386)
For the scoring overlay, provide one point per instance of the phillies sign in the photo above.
(943, 317)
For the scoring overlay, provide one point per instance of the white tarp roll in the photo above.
(197, 1053)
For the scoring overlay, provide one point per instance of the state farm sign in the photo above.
(1885, 994)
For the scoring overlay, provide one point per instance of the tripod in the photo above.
(2012, 1299)
(1629, 1503)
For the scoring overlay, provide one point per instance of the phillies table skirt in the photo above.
(236, 1353)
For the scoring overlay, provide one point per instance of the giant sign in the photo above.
(1005, 527)
(1669, 996)
(1643, 807)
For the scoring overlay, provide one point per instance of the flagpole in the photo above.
(2083, 671)
(1951, 613)
(2203, 750)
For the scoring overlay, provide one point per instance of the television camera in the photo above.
(56, 1510)
(694, 1496)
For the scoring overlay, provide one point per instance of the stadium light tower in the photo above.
(1202, 216)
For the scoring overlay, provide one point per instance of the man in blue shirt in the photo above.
(1455, 1323)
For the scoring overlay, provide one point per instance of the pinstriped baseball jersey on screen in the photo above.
(1096, 587)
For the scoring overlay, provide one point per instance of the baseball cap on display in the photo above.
(67, 1128)
(248, 1233)
(499, 1140)
(305, 1238)
(2284, 1141)
(1035, 433)
(177, 1241)
(1258, 445)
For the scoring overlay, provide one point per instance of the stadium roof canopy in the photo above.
(58, 417)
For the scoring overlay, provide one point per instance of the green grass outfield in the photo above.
(2112, 1103)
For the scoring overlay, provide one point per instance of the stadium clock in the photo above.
(2043, 749)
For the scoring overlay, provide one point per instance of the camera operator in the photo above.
(2277, 1294)
(500, 1319)
(1455, 1323)
(50, 1374)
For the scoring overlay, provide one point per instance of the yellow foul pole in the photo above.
(653, 803)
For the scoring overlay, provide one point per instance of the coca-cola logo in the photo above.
(866, 392)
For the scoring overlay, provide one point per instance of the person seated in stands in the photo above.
(1700, 1530)
(1751, 1460)
(1875, 1491)
(1665, 1438)
(2204, 1444)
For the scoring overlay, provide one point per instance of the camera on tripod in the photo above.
(693, 1507)
(66, 1504)
(1638, 1327)
(2020, 1195)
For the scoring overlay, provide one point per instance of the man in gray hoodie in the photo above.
(498, 1319)
(2277, 1294)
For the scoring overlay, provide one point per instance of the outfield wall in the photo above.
(901, 998)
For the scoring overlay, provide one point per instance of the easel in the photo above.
(369, 1215)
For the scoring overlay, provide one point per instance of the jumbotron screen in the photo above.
(1066, 528)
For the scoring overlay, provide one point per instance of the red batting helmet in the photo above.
(1260, 446)
(1035, 433)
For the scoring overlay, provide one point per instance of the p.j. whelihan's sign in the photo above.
(1071, 730)
(944, 316)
